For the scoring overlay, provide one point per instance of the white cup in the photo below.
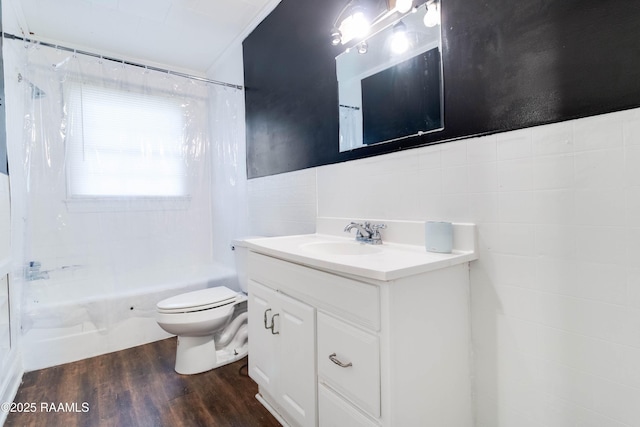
(438, 237)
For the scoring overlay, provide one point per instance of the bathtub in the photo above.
(77, 313)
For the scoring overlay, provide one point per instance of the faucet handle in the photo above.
(375, 231)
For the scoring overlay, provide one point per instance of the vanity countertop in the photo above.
(385, 262)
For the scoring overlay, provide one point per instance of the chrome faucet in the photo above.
(367, 233)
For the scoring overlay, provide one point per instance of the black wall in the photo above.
(507, 65)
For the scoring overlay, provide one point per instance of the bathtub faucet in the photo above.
(367, 232)
(32, 271)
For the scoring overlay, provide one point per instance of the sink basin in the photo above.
(386, 262)
(340, 248)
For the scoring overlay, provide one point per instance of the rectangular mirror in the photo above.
(390, 85)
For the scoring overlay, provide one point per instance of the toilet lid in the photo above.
(198, 300)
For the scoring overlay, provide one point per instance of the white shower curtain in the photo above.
(111, 198)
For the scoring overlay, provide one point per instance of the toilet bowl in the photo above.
(211, 324)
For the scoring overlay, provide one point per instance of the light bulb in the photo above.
(399, 43)
(354, 26)
(404, 6)
(432, 17)
(399, 40)
(360, 24)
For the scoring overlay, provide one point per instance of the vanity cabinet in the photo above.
(282, 349)
(366, 352)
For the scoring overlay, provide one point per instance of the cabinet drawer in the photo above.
(355, 301)
(333, 411)
(360, 381)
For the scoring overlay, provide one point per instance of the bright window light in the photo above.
(124, 144)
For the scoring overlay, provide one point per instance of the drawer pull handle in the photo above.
(337, 361)
(273, 324)
(265, 319)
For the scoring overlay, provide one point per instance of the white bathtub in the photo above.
(77, 313)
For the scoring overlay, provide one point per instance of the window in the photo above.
(124, 145)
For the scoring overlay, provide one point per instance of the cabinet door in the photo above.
(297, 381)
(263, 363)
(282, 357)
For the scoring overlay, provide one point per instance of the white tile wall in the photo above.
(282, 204)
(556, 291)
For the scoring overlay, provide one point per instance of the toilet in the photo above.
(211, 324)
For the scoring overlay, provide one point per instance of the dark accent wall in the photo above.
(507, 65)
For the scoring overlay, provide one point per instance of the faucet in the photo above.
(367, 233)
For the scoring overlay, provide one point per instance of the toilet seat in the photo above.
(203, 299)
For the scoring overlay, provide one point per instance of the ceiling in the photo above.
(185, 35)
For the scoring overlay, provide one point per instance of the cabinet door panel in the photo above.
(263, 364)
(297, 387)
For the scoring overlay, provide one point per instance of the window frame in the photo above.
(102, 203)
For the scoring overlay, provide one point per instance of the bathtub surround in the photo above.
(106, 262)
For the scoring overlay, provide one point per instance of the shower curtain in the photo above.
(116, 171)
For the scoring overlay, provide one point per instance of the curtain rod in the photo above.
(122, 61)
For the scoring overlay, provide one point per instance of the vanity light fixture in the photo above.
(354, 20)
(351, 23)
(399, 41)
(432, 17)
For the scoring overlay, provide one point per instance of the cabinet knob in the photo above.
(337, 361)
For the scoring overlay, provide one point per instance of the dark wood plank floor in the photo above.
(138, 387)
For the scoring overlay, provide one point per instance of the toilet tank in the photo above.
(241, 254)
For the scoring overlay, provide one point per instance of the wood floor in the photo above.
(138, 387)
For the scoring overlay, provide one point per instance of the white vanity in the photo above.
(347, 334)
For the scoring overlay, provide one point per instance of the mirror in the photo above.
(390, 84)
